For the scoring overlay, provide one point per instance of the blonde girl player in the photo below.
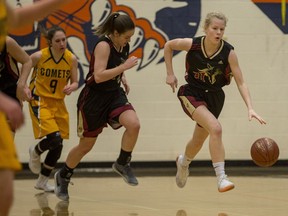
(210, 63)
(54, 76)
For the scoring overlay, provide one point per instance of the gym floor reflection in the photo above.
(156, 196)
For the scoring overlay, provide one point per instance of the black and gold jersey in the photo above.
(115, 59)
(208, 72)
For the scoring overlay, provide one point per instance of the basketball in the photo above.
(264, 152)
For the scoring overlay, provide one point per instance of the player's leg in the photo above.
(183, 161)
(195, 144)
(9, 163)
(209, 122)
(40, 112)
(54, 147)
(89, 126)
(6, 191)
(62, 177)
(190, 105)
(90, 123)
(123, 114)
(54, 142)
(79, 151)
(130, 121)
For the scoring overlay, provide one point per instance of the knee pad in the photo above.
(53, 156)
(54, 140)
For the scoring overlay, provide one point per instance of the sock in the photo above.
(185, 161)
(124, 157)
(45, 171)
(66, 172)
(219, 168)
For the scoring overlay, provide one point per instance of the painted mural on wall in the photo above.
(170, 19)
(276, 11)
(158, 21)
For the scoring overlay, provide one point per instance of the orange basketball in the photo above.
(264, 152)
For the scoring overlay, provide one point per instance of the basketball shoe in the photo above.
(224, 184)
(61, 186)
(126, 173)
(42, 184)
(34, 161)
(182, 172)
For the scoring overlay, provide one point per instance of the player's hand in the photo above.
(172, 81)
(125, 84)
(253, 114)
(68, 90)
(130, 62)
(12, 110)
(23, 93)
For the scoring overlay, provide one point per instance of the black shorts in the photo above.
(11, 92)
(190, 98)
(96, 109)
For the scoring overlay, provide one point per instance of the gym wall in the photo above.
(257, 30)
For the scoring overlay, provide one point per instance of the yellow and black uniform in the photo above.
(205, 76)
(47, 109)
(8, 155)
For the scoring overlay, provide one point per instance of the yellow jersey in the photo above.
(50, 77)
(3, 24)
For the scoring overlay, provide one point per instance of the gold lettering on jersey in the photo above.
(210, 73)
(54, 73)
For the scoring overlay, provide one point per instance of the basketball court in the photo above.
(156, 195)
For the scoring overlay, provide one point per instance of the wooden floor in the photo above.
(156, 196)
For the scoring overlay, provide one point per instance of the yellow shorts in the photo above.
(49, 115)
(8, 155)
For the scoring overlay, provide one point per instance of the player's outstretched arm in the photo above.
(242, 87)
(33, 12)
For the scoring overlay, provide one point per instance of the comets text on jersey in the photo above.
(54, 73)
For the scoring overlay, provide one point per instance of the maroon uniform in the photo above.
(102, 103)
(9, 74)
(205, 76)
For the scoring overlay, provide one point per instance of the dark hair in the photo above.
(49, 33)
(116, 21)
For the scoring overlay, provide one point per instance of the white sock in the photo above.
(185, 161)
(34, 153)
(219, 168)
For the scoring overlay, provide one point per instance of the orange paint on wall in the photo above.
(267, 1)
